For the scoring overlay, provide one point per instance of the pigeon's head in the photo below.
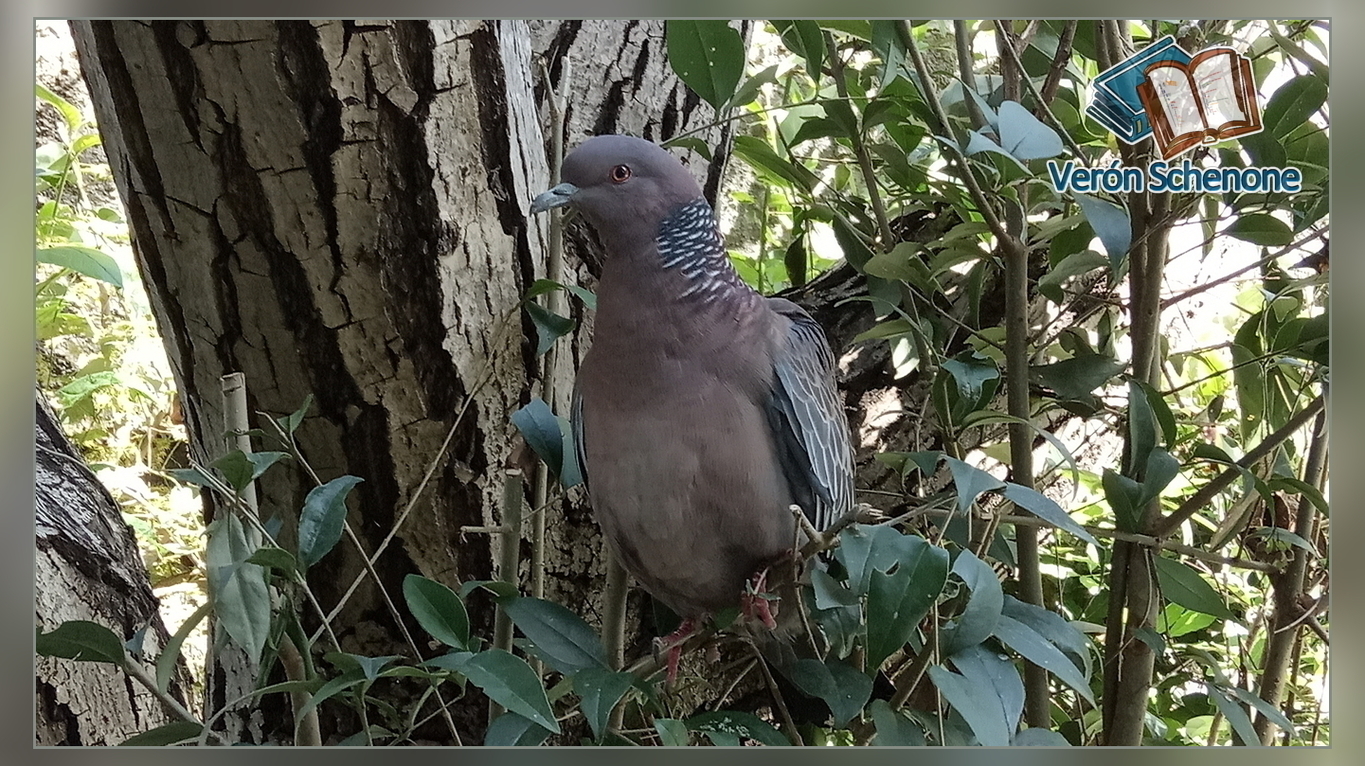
(623, 185)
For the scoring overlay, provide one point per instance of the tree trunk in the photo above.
(88, 567)
(340, 209)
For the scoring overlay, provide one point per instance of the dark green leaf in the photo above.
(1183, 585)
(980, 707)
(970, 482)
(438, 610)
(450, 661)
(1046, 509)
(1261, 229)
(541, 429)
(83, 260)
(897, 602)
(1074, 378)
(707, 55)
(1024, 136)
(291, 422)
(988, 669)
(1054, 629)
(855, 250)
(829, 594)
(840, 685)
(747, 94)
(1042, 652)
(1236, 715)
(1112, 225)
(323, 518)
(512, 730)
(170, 653)
(977, 620)
(692, 143)
(867, 547)
(1268, 710)
(672, 732)
(172, 733)
(240, 468)
(976, 377)
(738, 724)
(241, 599)
(1125, 498)
(81, 640)
(893, 728)
(1073, 265)
(191, 476)
(565, 641)
(1161, 469)
(347, 680)
(1293, 103)
(510, 682)
(600, 689)
(1142, 429)
(501, 589)
(276, 558)
(550, 326)
(805, 39)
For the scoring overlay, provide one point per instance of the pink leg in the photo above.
(754, 604)
(673, 643)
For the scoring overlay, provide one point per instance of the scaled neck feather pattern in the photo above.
(689, 241)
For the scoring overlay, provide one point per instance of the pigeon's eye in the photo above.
(620, 174)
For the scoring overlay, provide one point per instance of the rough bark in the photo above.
(87, 567)
(340, 209)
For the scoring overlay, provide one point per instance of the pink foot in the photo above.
(673, 643)
(754, 601)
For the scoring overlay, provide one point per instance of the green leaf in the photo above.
(988, 669)
(893, 728)
(970, 482)
(1275, 715)
(276, 558)
(81, 640)
(977, 620)
(1054, 629)
(979, 707)
(1183, 585)
(771, 166)
(241, 468)
(323, 518)
(170, 653)
(840, 685)
(1261, 229)
(600, 689)
(438, 610)
(976, 378)
(290, 423)
(510, 682)
(1112, 225)
(855, 250)
(1046, 509)
(512, 730)
(70, 114)
(1235, 714)
(1074, 378)
(450, 661)
(1073, 265)
(241, 599)
(864, 548)
(173, 733)
(738, 724)
(746, 94)
(1125, 498)
(1293, 103)
(191, 476)
(897, 602)
(902, 263)
(708, 56)
(563, 639)
(83, 260)
(1142, 429)
(1024, 136)
(672, 732)
(805, 39)
(550, 326)
(543, 286)
(829, 594)
(1038, 650)
(542, 430)
(347, 680)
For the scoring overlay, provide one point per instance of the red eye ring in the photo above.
(620, 174)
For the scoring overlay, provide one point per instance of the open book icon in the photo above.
(1183, 101)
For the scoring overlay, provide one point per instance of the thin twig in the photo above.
(778, 701)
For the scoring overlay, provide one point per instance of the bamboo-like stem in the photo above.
(508, 562)
(1289, 586)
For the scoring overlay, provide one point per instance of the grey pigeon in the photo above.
(703, 410)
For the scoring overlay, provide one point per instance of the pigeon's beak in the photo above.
(557, 197)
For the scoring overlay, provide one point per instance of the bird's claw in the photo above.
(672, 644)
(756, 604)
